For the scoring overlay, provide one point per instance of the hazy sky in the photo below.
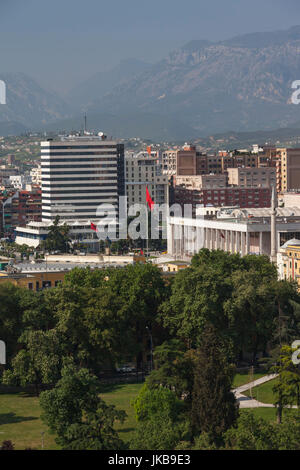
(62, 42)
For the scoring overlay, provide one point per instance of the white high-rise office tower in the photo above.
(78, 174)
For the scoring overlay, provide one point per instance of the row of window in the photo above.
(86, 165)
(79, 184)
(74, 192)
(72, 160)
(45, 285)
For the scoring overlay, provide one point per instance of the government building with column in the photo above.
(244, 231)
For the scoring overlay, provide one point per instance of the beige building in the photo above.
(169, 162)
(252, 177)
(202, 181)
(291, 199)
(288, 261)
(36, 175)
(143, 171)
(288, 169)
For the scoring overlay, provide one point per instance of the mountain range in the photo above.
(240, 84)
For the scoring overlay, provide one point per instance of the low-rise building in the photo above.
(244, 231)
(288, 261)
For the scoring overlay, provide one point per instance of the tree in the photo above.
(58, 237)
(287, 386)
(95, 319)
(251, 311)
(251, 433)
(214, 407)
(161, 419)
(39, 362)
(255, 433)
(174, 369)
(80, 418)
(197, 297)
(13, 302)
(237, 295)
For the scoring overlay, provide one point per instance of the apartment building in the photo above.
(19, 208)
(144, 171)
(288, 169)
(209, 181)
(252, 177)
(169, 162)
(36, 175)
(248, 197)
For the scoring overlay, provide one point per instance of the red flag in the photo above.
(142, 253)
(93, 227)
(149, 199)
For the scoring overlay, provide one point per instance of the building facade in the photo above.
(252, 177)
(244, 231)
(144, 171)
(288, 169)
(78, 174)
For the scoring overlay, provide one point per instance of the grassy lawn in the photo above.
(243, 378)
(20, 413)
(20, 422)
(269, 414)
(20, 416)
(121, 396)
(264, 392)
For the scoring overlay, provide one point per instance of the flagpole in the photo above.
(147, 234)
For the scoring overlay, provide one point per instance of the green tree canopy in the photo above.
(80, 418)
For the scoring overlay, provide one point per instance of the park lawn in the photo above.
(269, 414)
(243, 378)
(121, 396)
(20, 422)
(20, 416)
(263, 392)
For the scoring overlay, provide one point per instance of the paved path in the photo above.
(248, 402)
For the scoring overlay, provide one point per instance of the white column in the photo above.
(260, 244)
(172, 240)
(182, 241)
(237, 242)
(243, 243)
(211, 239)
(231, 241)
(218, 241)
(226, 240)
(207, 244)
(247, 243)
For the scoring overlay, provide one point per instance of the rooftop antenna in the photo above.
(85, 130)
